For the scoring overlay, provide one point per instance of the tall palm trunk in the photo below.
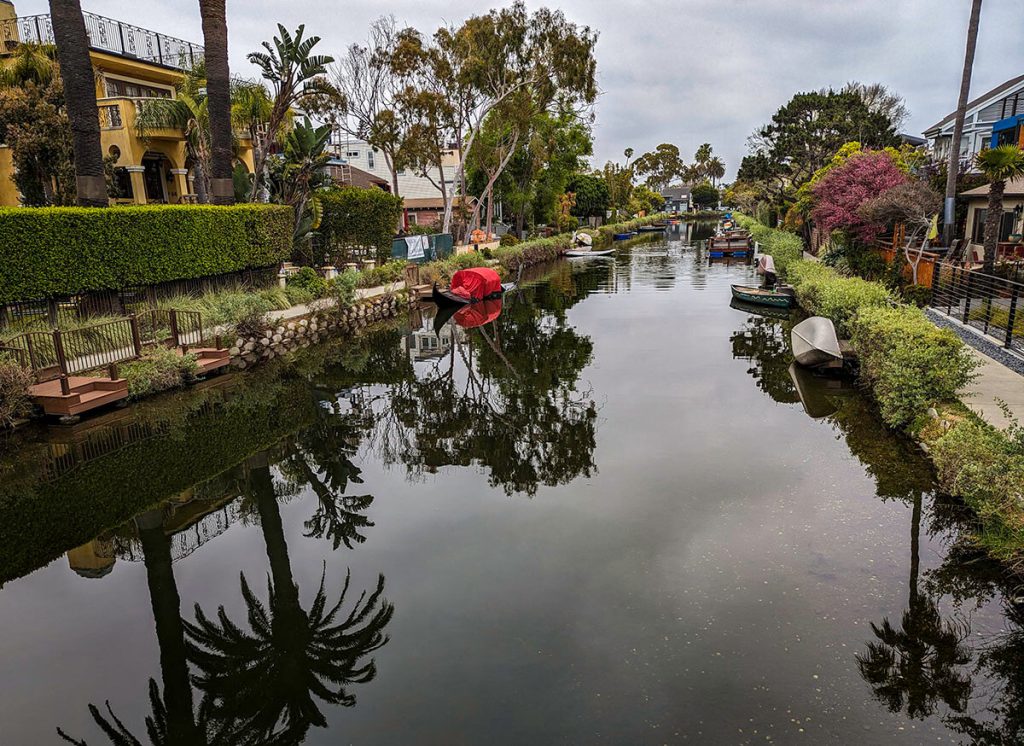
(170, 632)
(80, 99)
(993, 220)
(218, 92)
(953, 162)
(262, 486)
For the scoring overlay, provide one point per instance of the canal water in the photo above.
(609, 513)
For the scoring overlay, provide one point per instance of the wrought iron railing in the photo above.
(107, 35)
(988, 303)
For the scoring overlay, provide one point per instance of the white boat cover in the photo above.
(765, 264)
(582, 239)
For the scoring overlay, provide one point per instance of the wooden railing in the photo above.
(63, 353)
(925, 269)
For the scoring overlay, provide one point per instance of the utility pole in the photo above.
(953, 163)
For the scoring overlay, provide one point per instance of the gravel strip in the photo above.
(978, 341)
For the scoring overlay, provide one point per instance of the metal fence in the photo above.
(107, 35)
(987, 303)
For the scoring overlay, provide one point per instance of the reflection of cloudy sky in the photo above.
(683, 71)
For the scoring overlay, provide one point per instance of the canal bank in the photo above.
(584, 552)
(916, 372)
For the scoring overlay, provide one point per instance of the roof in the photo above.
(1014, 188)
(676, 192)
(357, 177)
(979, 100)
(912, 139)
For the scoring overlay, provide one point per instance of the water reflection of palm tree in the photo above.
(172, 720)
(265, 682)
(918, 665)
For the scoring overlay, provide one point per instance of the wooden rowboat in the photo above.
(762, 297)
(815, 342)
(446, 299)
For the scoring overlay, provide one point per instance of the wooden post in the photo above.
(967, 301)
(173, 316)
(112, 372)
(62, 363)
(133, 321)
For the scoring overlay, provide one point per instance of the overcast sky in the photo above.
(680, 71)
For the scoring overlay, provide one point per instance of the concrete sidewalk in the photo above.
(995, 382)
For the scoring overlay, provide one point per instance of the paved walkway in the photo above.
(361, 294)
(995, 382)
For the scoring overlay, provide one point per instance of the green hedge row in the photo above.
(54, 251)
(823, 291)
(358, 217)
(784, 247)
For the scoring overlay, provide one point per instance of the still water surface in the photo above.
(603, 517)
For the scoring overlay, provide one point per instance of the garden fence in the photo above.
(988, 303)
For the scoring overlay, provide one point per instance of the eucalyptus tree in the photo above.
(218, 88)
(80, 98)
(661, 166)
(297, 80)
(498, 55)
(371, 81)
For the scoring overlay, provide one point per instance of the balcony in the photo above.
(107, 35)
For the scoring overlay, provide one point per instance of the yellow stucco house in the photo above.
(132, 65)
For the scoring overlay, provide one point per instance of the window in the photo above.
(122, 184)
(128, 89)
(401, 172)
(369, 158)
(352, 154)
(1005, 226)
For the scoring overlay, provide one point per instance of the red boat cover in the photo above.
(478, 314)
(476, 283)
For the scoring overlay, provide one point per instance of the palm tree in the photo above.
(218, 89)
(80, 95)
(998, 164)
(953, 161)
(172, 719)
(189, 112)
(265, 681)
(296, 77)
(916, 666)
(30, 63)
(715, 169)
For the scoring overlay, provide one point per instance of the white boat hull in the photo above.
(815, 342)
(576, 252)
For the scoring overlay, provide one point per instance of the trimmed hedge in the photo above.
(53, 251)
(784, 247)
(824, 292)
(358, 217)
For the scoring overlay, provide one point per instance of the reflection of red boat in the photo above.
(471, 286)
(478, 314)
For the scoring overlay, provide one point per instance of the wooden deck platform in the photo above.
(86, 394)
(210, 359)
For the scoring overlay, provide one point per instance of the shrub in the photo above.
(343, 289)
(824, 292)
(309, 279)
(784, 247)
(14, 387)
(297, 295)
(55, 251)
(909, 363)
(159, 369)
(358, 217)
(509, 239)
(385, 274)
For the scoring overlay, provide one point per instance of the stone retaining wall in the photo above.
(297, 333)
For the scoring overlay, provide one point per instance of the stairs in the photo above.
(209, 359)
(86, 394)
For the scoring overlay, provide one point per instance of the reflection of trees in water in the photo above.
(505, 398)
(762, 343)
(261, 683)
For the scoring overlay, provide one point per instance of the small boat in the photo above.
(771, 312)
(588, 252)
(471, 286)
(819, 395)
(622, 236)
(815, 342)
(763, 297)
(651, 229)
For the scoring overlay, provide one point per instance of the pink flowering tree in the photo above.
(845, 189)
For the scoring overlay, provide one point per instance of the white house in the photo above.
(1003, 101)
(423, 201)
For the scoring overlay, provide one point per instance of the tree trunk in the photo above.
(953, 162)
(170, 632)
(993, 219)
(262, 488)
(80, 98)
(202, 195)
(218, 99)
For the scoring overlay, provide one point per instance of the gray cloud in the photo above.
(682, 71)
